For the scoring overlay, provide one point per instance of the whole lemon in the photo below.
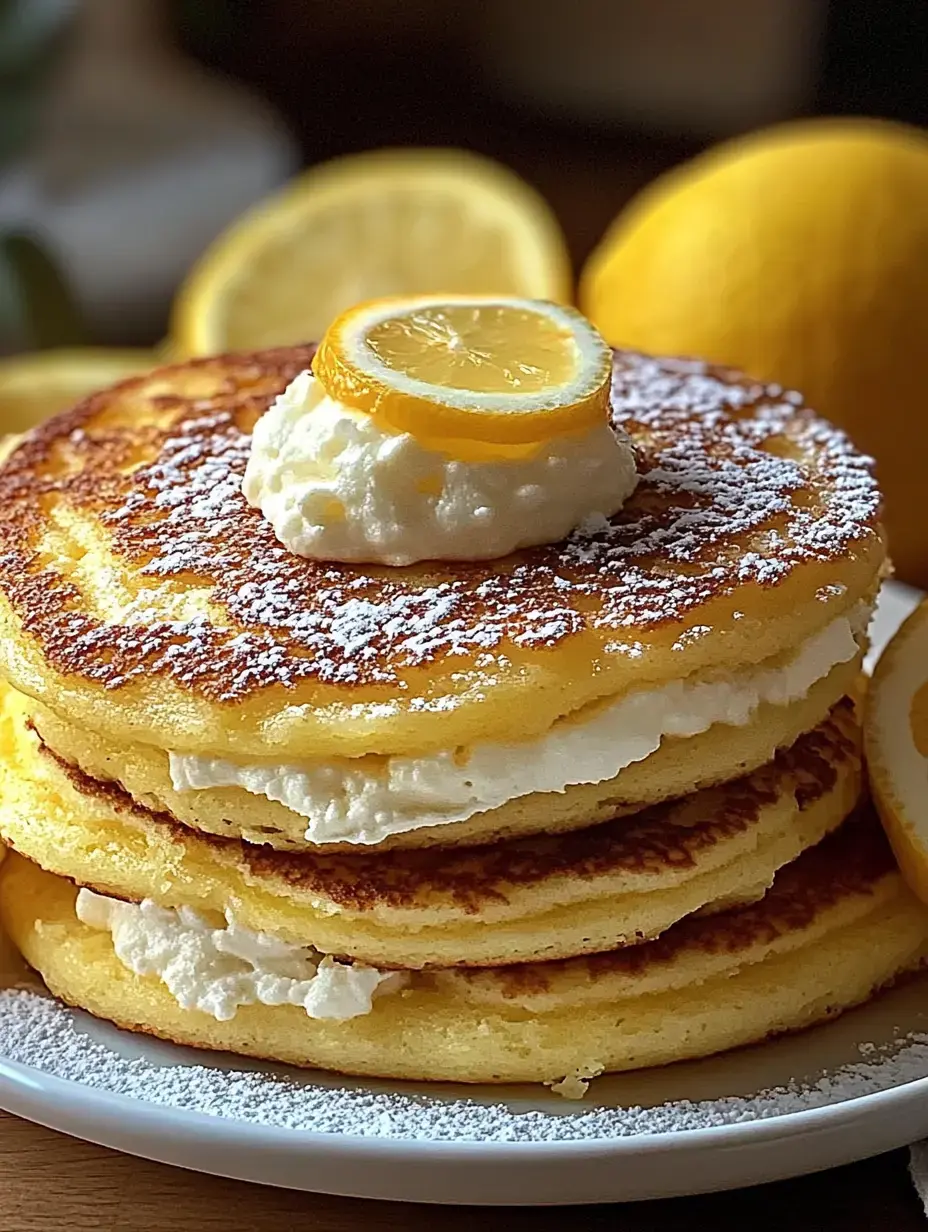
(799, 254)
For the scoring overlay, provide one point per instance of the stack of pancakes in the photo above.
(591, 807)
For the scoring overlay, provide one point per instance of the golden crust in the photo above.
(141, 592)
(844, 926)
(556, 896)
(849, 864)
(677, 768)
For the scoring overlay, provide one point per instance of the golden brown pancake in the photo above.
(679, 766)
(838, 924)
(147, 610)
(552, 896)
(141, 596)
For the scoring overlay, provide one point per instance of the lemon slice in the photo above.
(491, 369)
(896, 744)
(35, 386)
(383, 223)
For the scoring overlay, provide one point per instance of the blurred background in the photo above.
(133, 131)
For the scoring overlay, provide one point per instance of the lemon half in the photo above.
(383, 223)
(800, 255)
(896, 744)
(490, 369)
(35, 386)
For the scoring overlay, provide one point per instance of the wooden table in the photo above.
(50, 1183)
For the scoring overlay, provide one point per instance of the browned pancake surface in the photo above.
(738, 485)
(672, 836)
(849, 863)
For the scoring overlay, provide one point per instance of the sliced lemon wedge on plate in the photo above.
(35, 386)
(486, 369)
(387, 222)
(896, 744)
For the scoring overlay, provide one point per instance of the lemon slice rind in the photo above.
(353, 374)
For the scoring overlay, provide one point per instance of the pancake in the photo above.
(526, 899)
(679, 766)
(838, 924)
(145, 601)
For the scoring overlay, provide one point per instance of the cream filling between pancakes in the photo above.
(364, 800)
(216, 970)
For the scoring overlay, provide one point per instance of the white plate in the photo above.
(835, 1094)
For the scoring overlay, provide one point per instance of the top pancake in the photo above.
(141, 596)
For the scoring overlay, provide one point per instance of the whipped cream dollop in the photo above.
(336, 486)
(366, 799)
(216, 970)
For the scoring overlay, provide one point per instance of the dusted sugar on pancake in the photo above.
(153, 612)
(748, 509)
(578, 808)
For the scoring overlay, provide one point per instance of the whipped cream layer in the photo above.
(335, 486)
(216, 970)
(366, 799)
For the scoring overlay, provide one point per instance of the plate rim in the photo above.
(105, 1104)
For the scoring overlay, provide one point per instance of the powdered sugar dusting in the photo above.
(39, 1032)
(737, 486)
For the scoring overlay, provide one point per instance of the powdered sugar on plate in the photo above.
(39, 1032)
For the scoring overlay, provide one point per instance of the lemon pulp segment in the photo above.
(896, 741)
(494, 350)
